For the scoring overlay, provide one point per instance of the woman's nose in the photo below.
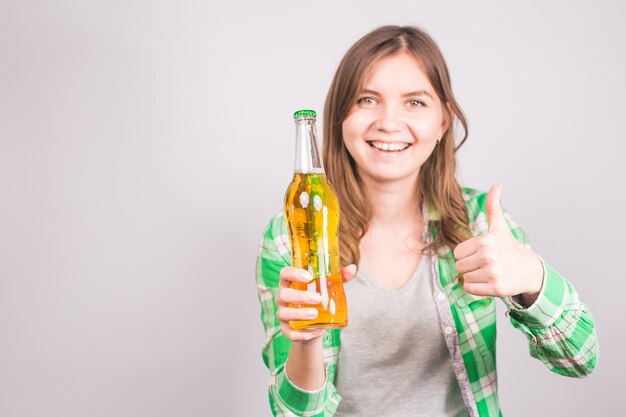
(389, 120)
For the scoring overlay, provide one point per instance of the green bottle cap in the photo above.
(304, 114)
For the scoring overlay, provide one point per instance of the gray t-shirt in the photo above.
(393, 360)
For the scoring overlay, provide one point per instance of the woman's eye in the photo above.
(415, 103)
(366, 100)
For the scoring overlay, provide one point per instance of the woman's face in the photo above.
(394, 125)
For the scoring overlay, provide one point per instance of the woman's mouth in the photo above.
(388, 146)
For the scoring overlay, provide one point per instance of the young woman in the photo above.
(432, 257)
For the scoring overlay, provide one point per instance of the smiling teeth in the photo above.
(382, 146)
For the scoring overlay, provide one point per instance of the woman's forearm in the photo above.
(305, 366)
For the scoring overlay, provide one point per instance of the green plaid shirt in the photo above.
(559, 327)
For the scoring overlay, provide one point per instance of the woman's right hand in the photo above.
(287, 295)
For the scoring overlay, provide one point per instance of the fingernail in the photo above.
(307, 275)
(315, 298)
(312, 313)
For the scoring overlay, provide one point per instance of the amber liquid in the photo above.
(312, 212)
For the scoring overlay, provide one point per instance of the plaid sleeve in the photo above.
(559, 327)
(285, 398)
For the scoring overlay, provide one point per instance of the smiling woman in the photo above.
(431, 257)
(394, 84)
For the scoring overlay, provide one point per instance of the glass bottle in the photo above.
(312, 213)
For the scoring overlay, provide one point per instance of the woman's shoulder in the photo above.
(277, 226)
(475, 202)
(471, 193)
(275, 240)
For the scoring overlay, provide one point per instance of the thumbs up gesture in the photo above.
(496, 264)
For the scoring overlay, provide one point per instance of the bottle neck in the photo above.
(308, 158)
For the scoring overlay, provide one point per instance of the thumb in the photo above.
(495, 216)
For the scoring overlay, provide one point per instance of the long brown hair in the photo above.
(438, 186)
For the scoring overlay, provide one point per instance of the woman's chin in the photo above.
(390, 176)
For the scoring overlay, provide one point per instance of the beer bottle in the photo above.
(312, 213)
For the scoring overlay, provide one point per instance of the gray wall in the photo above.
(144, 145)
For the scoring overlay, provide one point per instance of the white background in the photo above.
(144, 145)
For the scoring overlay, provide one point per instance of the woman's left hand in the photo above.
(496, 264)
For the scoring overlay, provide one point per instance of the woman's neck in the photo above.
(393, 203)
